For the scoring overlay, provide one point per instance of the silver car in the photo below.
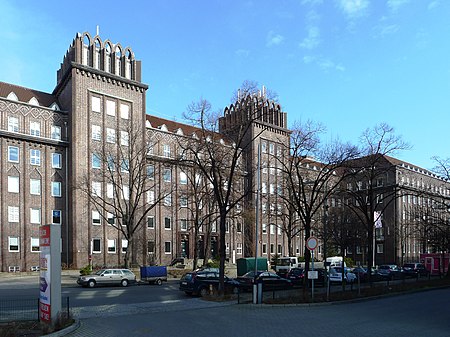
(111, 276)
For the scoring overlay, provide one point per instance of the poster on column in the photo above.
(44, 277)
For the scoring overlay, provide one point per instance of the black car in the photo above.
(390, 272)
(414, 270)
(200, 283)
(269, 280)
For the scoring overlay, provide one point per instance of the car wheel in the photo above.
(203, 292)
(158, 282)
(124, 283)
(91, 284)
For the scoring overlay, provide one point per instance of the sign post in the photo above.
(50, 273)
(311, 244)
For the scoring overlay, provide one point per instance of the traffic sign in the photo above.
(312, 243)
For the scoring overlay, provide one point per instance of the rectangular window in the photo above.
(272, 228)
(272, 248)
(110, 191)
(183, 178)
(150, 247)
(280, 250)
(151, 222)
(125, 192)
(56, 132)
(151, 172)
(124, 246)
(13, 184)
(13, 214)
(56, 160)
(124, 138)
(167, 223)
(124, 111)
(264, 228)
(35, 186)
(96, 188)
(56, 216)
(56, 189)
(13, 243)
(35, 215)
(96, 163)
(380, 248)
(96, 132)
(264, 248)
(111, 246)
(13, 124)
(183, 201)
(110, 218)
(151, 197)
(183, 224)
(35, 129)
(110, 135)
(125, 166)
(35, 245)
(167, 247)
(167, 175)
(96, 104)
(271, 148)
(111, 163)
(166, 150)
(96, 246)
(13, 154)
(263, 147)
(35, 157)
(96, 217)
(239, 248)
(110, 108)
(380, 198)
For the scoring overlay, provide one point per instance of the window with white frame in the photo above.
(124, 138)
(35, 215)
(167, 175)
(96, 217)
(56, 189)
(96, 162)
(13, 244)
(111, 163)
(183, 178)
(96, 246)
(272, 248)
(35, 186)
(264, 188)
(380, 248)
(109, 190)
(271, 189)
(150, 247)
(110, 218)
(111, 246)
(263, 147)
(34, 242)
(96, 104)
(35, 129)
(167, 223)
(96, 188)
(124, 111)
(96, 132)
(167, 247)
(272, 228)
(151, 197)
(183, 224)
(183, 201)
(13, 124)
(124, 246)
(125, 166)
(110, 135)
(239, 248)
(380, 198)
(56, 160)
(56, 132)
(13, 154)
(271, 148)
(227, 248)
(110, 107)
(280, 250)
(13, 184)
(35, 157)
(13, 214)
(168, 200)
(125, 192)
(166, 150)
(151, 222)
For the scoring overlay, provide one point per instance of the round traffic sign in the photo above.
(312, 243)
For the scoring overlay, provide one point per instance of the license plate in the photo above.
(184, 283)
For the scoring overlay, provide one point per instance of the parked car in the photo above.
(199, 282)
(269, 280)
(111, 276)
(390, 272)
(361, 273)
(335, 275)
(296, 276)
(414, 270)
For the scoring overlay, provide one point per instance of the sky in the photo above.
(347, 64)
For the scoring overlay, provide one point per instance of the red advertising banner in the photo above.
(44, 236)
(44, 312)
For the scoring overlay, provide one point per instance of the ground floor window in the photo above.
(96, 246)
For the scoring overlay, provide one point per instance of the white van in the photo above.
(335, 261)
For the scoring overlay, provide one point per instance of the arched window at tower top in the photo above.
(128, 64)
(108, 63)
(118, 56)
(97, 57)
(86, 46)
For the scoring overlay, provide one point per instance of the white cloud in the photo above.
(394, 5)
(323, 63)
(434, 4)
(353, 8)
(308, 59)
(312, 40)
(274, 39)
(383, 30)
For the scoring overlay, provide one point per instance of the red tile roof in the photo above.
(25, 94)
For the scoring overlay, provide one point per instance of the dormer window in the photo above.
(12, 96)
(55, 107)
(33, 101)
(164, 127)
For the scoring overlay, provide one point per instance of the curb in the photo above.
(66, 331)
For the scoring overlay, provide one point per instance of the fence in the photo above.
(26, 309)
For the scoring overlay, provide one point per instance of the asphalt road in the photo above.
(418, 314)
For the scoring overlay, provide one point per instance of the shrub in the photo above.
(86, 270)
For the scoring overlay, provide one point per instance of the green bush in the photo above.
(86, 270)
(213, 264)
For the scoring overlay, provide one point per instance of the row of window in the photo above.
(35, 128)
(272, 229)
(96, 106)
(35, 157)
(35, 186)
(271, 147)
(96, 134)
(35, 215)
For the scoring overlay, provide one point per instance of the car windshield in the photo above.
(187, 277)
(408, 265)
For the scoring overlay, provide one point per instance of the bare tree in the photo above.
(250, 87)
(370, 180)
(311, 174)
(119, 188)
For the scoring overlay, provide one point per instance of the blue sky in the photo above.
(349, 64)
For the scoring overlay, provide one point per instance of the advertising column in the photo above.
(50, 273)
